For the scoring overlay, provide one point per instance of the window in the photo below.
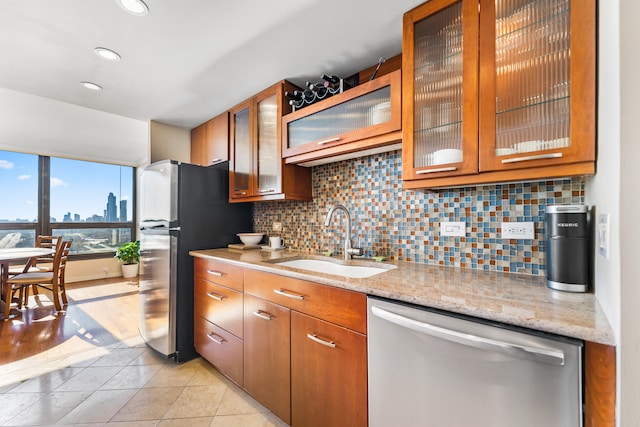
(90, 203)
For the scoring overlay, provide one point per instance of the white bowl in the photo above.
(449, 155)
(250, 239)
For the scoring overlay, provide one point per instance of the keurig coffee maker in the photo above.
(568, 248)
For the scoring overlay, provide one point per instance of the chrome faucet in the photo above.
(349, 251)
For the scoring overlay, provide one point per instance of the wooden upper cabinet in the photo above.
(210, 141)
(256, 170)
(367, 117)
(440, 86)
(532, 80)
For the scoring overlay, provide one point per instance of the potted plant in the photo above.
(129, 255)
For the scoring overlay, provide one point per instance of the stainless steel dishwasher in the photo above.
(435, 369)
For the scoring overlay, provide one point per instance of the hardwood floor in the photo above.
(100, 313)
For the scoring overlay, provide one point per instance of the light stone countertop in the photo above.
(516, 299)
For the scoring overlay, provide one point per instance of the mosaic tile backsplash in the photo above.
(404, 225)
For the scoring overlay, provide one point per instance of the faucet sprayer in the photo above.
(348, 250)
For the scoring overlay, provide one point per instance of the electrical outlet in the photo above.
(518, 230)
(456, 229)
(603, 235)
(277, 226)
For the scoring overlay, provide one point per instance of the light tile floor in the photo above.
(82, 382)
(132, 385)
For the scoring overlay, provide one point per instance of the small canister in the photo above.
(568, 248)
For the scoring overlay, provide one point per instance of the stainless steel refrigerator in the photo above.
(183, 207)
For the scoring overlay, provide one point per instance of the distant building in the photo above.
(123, 211)
(76, 217)
(111, 214)
(66, 217)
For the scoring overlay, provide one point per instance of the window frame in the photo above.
(44, 226)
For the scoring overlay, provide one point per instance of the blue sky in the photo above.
(76, 187)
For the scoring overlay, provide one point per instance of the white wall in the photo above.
(629, 351)
(613, 190)
(32, 124)
(170, 142)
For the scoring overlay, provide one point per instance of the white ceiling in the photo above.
(188, 60)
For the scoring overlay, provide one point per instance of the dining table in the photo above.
(12, 255)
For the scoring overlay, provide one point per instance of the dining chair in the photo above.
(51, 280)
(43, 263)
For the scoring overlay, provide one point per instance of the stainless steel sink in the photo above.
(353, 269)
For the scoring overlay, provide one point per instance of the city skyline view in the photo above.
(80, 191)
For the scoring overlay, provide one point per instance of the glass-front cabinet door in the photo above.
(537, 83)
(241, 151)
(269, 159)
(440, 120)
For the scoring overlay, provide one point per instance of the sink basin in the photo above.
(330, 267)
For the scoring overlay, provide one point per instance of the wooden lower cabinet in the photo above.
(267, 367)
(328, 374)
(221, 348)
(219, 305)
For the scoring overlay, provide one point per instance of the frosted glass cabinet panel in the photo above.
(268, 144)
(241, 151)
(440, 133)
(532, 75)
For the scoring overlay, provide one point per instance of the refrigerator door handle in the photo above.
(549, 356)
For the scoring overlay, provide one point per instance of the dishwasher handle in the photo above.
(549, 356)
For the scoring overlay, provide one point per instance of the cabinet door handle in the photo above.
(270, 190)
(263, 315)
(314, 337)
(216, 160)
(287, 294)
(216, 338)
(326, 141)
(216, 273)
(215, 296)
(534, 157)
(448, 169)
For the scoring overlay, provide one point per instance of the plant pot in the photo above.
(129, 270)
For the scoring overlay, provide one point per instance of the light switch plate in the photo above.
(456, 229)
(277, 226)
(603, 232)
(518, 230)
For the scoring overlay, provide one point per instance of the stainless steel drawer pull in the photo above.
(326, 141)
(262, 314)
(216, 297)
(267, 190)
(314, 337)
(534, 157)
(216, 160)
(449, 169)
(546, 355)
(216, 338)
(287, 294)
(216, 273)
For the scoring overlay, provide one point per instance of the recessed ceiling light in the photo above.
(107, 54)
(134, 7)
(91, 86)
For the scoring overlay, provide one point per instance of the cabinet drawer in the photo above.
(328, 374)
(219, 272)
(219, 347)
(340, 306)
(219, 305)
